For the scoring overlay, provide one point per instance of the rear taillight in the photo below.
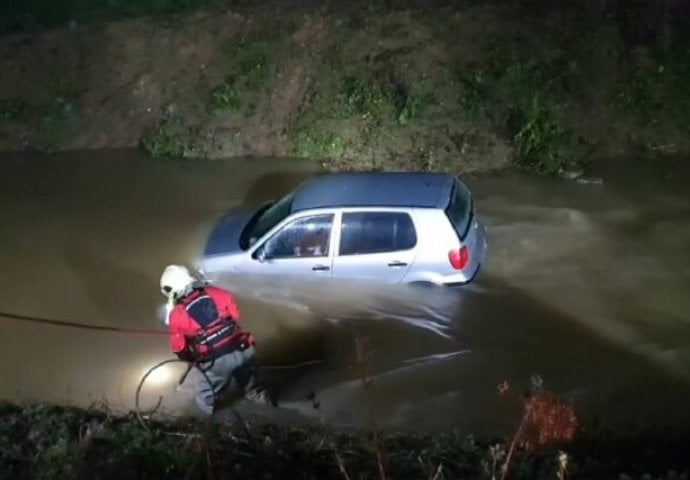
(459, 258)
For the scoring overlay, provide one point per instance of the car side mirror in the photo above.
(260, 254)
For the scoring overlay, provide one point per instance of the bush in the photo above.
(168, 139)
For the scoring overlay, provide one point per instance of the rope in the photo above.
(139, 331)
(141, 417)
(84, 326)
(181, 380)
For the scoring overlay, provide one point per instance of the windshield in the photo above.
(271, 217)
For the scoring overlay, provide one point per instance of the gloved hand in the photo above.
(187, 354)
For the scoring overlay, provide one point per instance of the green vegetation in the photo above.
(56, 122)
(251, 65)
(378, 96)
(658, 89)
(414, 104)
(58, 443)
(541, 143)
(652, 97)
(357, 98)
(368, 84)
(318, 145)
(519, 98)
(58, 125)
(50, 442)
(361, 93)
(46, 109)
(226, 98)
(522, 99)
(371, 93)
(633, 97)
(150, 450)
(169, 139)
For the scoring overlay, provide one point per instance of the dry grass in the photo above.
(362, 368)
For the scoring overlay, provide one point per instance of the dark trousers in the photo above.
(232, 373)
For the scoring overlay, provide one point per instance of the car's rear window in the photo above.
(459, 210)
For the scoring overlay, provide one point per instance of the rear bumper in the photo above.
(464, 282)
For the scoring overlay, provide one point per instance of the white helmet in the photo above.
(177, 282)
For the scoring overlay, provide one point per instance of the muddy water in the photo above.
(585, 289)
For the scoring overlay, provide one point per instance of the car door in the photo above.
(302, 247)
(375, 245)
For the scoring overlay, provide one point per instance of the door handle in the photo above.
(320, 268)
(397, 264)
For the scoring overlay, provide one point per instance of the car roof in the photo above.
(374, 189)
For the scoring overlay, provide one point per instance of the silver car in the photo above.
(396, 227)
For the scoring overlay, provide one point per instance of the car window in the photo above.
(459, 210)
(305, 237)
(376, 232)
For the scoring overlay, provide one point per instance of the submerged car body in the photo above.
(395, 227)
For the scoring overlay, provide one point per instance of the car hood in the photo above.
(225, 235)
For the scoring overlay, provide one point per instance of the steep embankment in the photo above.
(466, 88)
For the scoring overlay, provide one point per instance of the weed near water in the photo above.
(521, 99)
(319, 144)
(251, 65)
(171, 139)
(59, 125)
(165, 140)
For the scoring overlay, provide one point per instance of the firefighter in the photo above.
(203, 321)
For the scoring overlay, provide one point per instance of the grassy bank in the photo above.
(460, 86)
(33, 15)
(50, 442)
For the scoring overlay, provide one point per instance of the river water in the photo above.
(586, 288)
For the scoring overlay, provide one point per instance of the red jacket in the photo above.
(197, 312)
